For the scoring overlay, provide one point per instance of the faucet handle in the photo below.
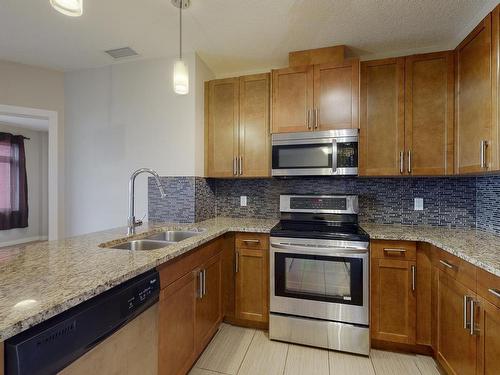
(138, 223)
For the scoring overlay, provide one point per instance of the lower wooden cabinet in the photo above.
(393, 296)
(208, 301)
(190, 307)
(176, 333)
(252, 277)
(488, 353)
(456, 347)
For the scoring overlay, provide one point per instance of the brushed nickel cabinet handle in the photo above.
(401, 162)
(466, 323)
(409, 161)
(413, 277)
(316, 118)
(237, 262)
(471, 325)
(200, 284)
(235, 167)
(495, 292)
(204, 273)
(240, 168)
(484, 146)
(446, 264)
(308, 121)
(251, 241)
(395, 250)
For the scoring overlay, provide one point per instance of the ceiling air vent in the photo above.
(121, 53)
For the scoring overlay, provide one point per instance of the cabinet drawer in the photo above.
(252, 241)
(488, 286)
(402, 250)
(459, 269)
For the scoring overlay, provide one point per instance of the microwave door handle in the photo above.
(334, 155)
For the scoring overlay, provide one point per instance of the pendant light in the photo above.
(72, 8)
(181, 74)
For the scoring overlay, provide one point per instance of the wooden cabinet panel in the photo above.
(474, 89)
(429, 105)
(222, 118)
(382, 117)
(254, 143)
(393, 301)
(228, 277)
(252, 284)
(456, 349)
(398, 250)
(292, 99)
(423, 275)
(252, 241)
(488, 286)
(177, 340)
(458, 269)
(336, 95)
(488, 354)
(209, 305)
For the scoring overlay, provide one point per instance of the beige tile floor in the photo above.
(243, 351)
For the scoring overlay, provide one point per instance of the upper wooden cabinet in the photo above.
(237, 127)
(316, 97)
(429, 98)
(382, 117)
(407, 116)
(221, 122)
(336, 95)
(293, 99)
(476, 99)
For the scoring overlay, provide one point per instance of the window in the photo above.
(13, 182)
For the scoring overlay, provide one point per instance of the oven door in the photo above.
(320, 279)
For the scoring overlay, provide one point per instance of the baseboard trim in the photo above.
(399, 347)
(23, 240)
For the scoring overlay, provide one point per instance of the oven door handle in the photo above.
(344, 251)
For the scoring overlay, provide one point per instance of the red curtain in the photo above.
(13, 182)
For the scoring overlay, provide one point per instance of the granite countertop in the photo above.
(477, 247)
(39, 281)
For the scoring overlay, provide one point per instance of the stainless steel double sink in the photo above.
(157, 240)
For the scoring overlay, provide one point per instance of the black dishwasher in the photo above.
(52, 345)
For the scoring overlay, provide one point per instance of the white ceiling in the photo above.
(231, 36)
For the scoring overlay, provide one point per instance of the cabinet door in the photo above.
(336, 95)
(222, 131)
(488, 359)
(423, 291)
(429, 98)
(393, 301)
(456, 346)
(209, 301)
(292, 99)
(176, 333)
(382, 117)
(228, 277)
(255, 145)
(474, 82)
(252, 290)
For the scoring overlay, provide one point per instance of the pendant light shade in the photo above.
(72, 8)
(181, 73)
(181, 78)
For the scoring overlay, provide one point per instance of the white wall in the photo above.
(34, 87)
(37, 172)
(120, 118)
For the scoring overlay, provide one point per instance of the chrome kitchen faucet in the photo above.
(132, 223)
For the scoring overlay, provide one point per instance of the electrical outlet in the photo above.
(419, 204)
(243, 201)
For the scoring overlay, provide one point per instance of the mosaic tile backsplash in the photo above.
(455, 202)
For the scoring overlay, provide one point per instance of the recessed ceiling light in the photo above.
(72, 8)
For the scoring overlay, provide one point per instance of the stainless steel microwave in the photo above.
(323, 153)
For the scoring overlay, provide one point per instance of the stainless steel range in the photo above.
(319, 264)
